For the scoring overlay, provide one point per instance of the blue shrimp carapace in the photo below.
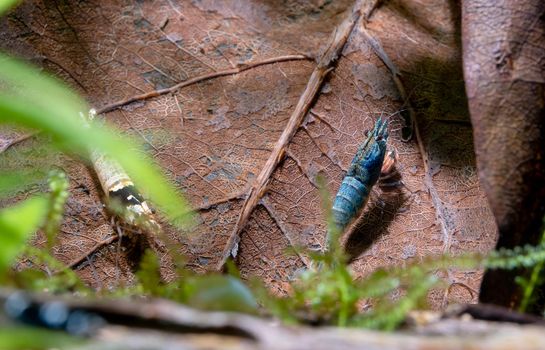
(360, 178)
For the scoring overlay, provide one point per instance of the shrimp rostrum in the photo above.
(360, 178)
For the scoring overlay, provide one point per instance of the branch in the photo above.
(72, 264)
(368, 8)
(332, 51)
(241, 68)
(213, 204)
(158, 324)
(408, 114)
(440, 210)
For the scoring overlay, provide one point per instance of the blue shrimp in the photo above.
(361, 176)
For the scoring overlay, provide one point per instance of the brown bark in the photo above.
(504, 68)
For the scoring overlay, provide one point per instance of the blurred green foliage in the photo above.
(207, 292)
(31, 99)
(5, 5)
(17, 223)
(27, 338)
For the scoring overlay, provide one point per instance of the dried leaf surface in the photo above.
(213, 138)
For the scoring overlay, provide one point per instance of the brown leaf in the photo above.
(214, 137)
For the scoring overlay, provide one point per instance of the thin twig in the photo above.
(91, 251)
(368, 7)
(240, 68)
(471, 291)
(332, 51)
(409, 119)
(9, 144)
(440, 211)
(213, 204)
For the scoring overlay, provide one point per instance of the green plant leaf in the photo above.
(17, 223)
(34, 100)
(529, 284)
(220, 292)
(18, 338)
(58, 194)
(62, 280)
(148, 274)
(12, 182)
(5, 5)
